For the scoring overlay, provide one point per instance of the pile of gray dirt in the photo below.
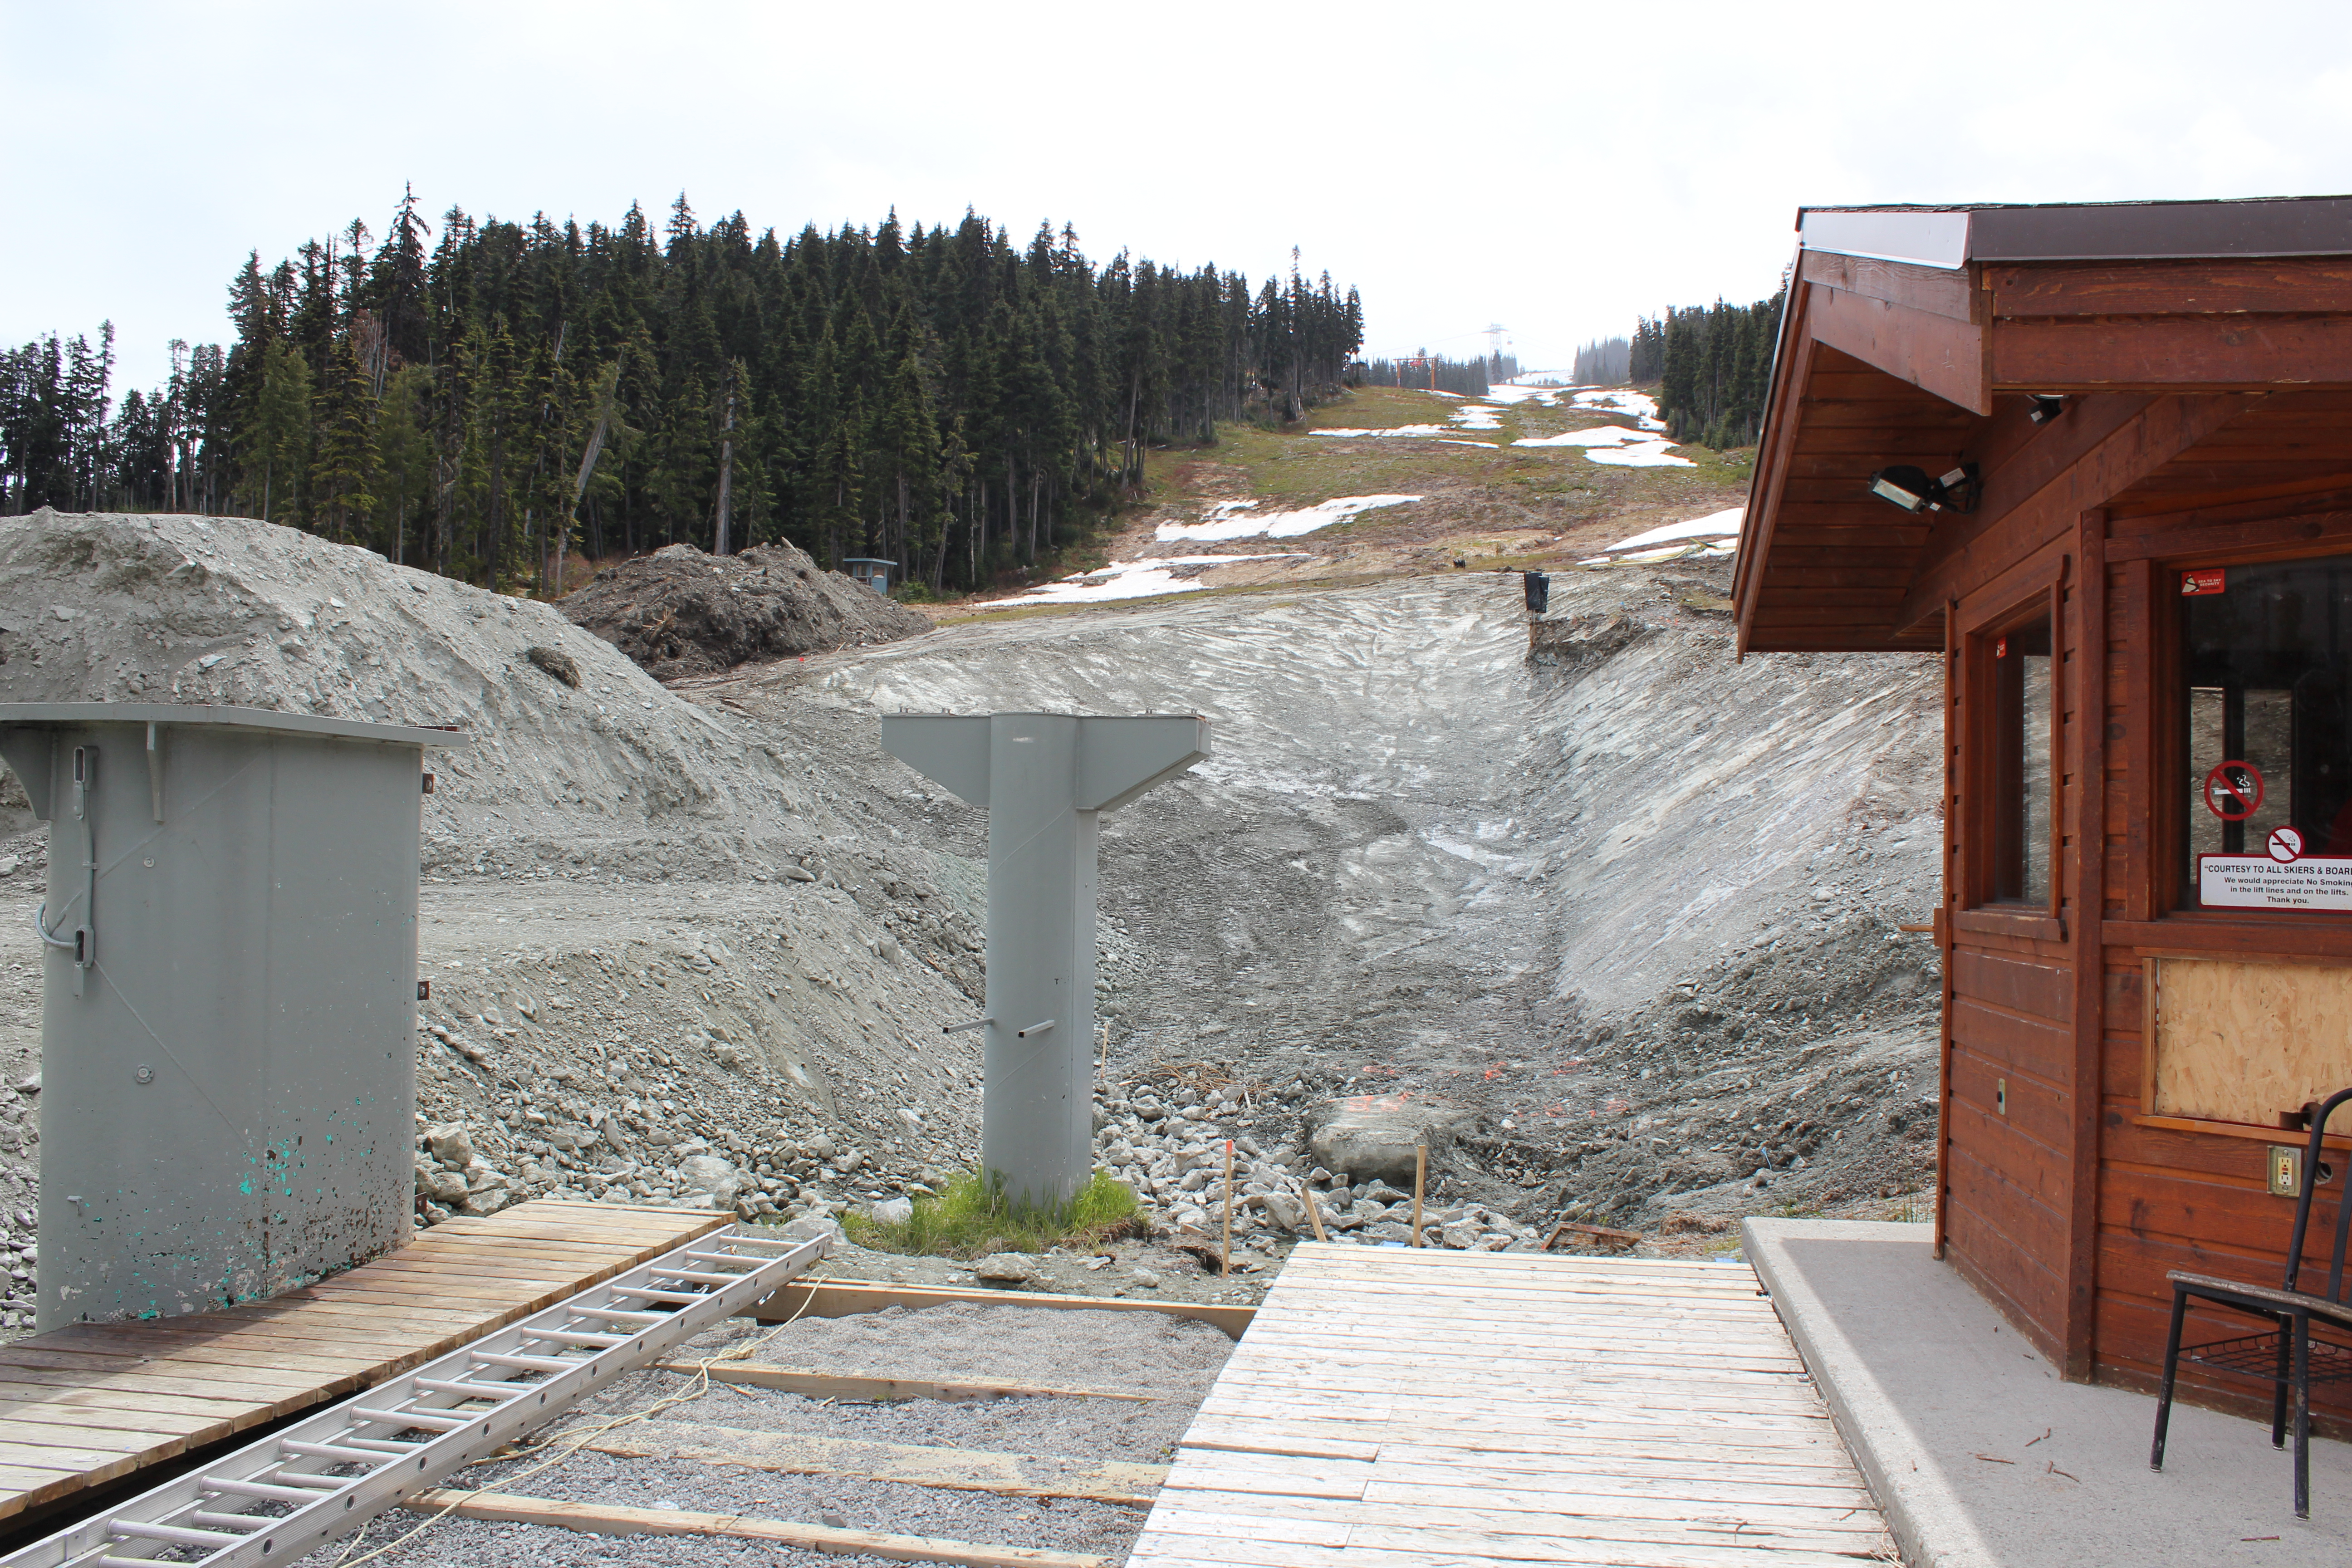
(682, 613)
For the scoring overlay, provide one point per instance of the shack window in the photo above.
(2266, 659)
(2024, 715)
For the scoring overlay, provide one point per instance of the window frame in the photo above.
(1978, 907)
(2168, 718)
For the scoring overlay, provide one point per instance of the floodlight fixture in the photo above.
(2046, 407)
(1910, 487)
(1907, 487)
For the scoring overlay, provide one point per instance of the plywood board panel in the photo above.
(2242, 1041)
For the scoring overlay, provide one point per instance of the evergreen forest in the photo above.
(482, 397)
(1604, 361)
(1435, 373)
(1713, 367)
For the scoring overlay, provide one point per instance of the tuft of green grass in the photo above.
(973, 1218)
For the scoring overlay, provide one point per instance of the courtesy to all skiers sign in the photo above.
(2261, 883)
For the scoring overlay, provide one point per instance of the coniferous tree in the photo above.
(940, 396)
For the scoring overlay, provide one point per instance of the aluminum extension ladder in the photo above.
(329, 1473)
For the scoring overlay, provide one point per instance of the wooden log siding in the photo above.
(2210, 422)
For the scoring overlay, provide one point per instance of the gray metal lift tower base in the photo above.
(1044, 777)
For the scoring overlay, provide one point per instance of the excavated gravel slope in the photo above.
(1620, 922)
(1633, 913)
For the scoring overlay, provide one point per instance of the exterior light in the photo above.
(1911, 489)
(2046, 407)
(1907, 486)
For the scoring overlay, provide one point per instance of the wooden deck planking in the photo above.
(1401, 1408)
(93, 1402)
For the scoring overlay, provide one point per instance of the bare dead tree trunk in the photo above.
(726, 475)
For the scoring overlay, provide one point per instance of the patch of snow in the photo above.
(1135, 580)
(1455, 441)
(1714, 525)
(1599, 436)
(1521, 390)
(1648, 454)
(1240, 520)
(1618, 400)
(1477, 417)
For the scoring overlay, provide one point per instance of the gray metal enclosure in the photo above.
(229, 998)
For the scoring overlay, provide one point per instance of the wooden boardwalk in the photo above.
(1393, 1407)
(82, 1406)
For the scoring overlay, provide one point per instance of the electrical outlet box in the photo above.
(2000, 1095)
(2285, 1171)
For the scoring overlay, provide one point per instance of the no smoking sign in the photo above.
(2285, 846)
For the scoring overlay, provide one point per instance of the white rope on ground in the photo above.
(573, 1441)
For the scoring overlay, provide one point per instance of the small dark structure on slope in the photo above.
(2126, 432)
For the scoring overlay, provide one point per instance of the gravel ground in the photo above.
(1127, 1352)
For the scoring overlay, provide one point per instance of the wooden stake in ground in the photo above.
(1225, 1249)
(1419, 1180)
(1314, 1211)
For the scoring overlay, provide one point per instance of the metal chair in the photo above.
(2285, 1356)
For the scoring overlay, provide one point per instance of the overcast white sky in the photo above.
(1558, 168)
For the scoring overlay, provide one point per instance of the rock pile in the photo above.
(1170, 1152)
(680, 612)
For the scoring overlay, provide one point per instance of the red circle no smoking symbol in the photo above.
(2285, 846)
(2234, 791)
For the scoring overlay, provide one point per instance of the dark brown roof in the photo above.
(2204, 350)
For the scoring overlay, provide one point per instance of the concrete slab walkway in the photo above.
(1980, 1455)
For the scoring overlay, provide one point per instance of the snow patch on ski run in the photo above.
(1136, 579)
(1714, 525)
(1618, 400)
(1242, 519)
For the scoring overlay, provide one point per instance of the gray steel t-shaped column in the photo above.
(1044, 778)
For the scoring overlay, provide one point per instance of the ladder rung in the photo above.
(727, 1257)
(382, 1444)
(579, 1337)
(701, 1275)
(534, 1363)
(430, 1420)
(329, 1451)
(658, 1295)
(263, 1489)
(317, 1480)
(502, 1391)
(235, 1522)
(175, 1534)
(619, 1316)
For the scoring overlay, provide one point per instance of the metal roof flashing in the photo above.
(32, 715)
(1950, 237)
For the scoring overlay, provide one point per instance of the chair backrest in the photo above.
(2310, 1187)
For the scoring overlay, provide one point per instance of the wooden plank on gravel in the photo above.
(1250, 1511)
(600, 1519)
(87, 1404)
(955, 1469)
(848, 1385)
(848, 1298)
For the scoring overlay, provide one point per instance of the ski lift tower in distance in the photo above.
(1044, 779)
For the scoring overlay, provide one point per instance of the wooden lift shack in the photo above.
(2099, 458)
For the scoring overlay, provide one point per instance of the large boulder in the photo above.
(1373, 1136)
(710, 1173)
